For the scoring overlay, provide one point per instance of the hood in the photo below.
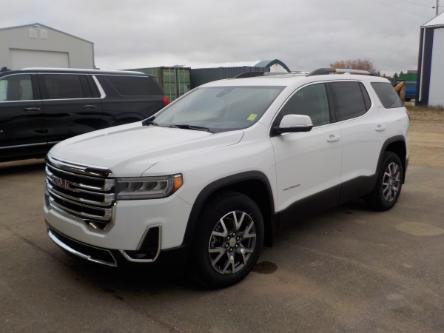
(129, 150)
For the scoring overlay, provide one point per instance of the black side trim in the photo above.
(315, 203)
(225, 183)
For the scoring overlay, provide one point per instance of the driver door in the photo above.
(308, 163)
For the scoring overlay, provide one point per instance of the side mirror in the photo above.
(291, 123)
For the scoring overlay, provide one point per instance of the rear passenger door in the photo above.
(308, 163)
(71, 104)
(360, 126)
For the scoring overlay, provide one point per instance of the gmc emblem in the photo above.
(62, 183)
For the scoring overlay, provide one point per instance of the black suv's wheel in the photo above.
(389, 183)
(228, 240)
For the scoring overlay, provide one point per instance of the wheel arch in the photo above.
(397, 145)
(254, 184)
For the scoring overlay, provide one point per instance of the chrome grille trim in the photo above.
(84, 216)
(83, 192)
(79, 169)
(108, 183)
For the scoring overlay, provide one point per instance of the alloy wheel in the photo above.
(391, 181)
(232, 242)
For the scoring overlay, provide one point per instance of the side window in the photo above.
(134, 85)
(311, 101)
(387, 95)
(349, 99)
(59, 86)
(16, 88)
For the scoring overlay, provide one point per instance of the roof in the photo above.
(435, 22)
(254, 63)
(47, 27)
(67, 70)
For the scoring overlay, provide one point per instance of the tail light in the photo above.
(166, 100)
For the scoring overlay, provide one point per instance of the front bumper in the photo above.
(115, 258)
(131, 221)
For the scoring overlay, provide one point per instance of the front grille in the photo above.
(84, 192)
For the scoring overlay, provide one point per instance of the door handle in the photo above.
(333, 138)
(89, 107)
(32, 109)
(380, 128)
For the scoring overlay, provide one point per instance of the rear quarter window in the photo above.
(134, 85)
(387, 95)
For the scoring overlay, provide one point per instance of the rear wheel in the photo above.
(389, 183)
(228, 240)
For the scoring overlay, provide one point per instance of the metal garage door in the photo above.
(32, 58)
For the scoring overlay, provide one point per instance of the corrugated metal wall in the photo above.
(200, 76)
(175, 81)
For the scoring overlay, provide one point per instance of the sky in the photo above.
(304, 34)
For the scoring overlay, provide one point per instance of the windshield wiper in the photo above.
(191, 127)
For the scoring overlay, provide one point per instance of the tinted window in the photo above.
(348, 100)
(219, 108)
(134, 85)
(16, 88)
(63, 86)
(311, 101)
(387, 95)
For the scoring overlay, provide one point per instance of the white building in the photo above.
(37, 45)
(431, 63)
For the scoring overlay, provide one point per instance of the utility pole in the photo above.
(437, 8)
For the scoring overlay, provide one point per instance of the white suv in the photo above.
(214, 171)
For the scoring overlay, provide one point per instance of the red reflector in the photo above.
(166, 100)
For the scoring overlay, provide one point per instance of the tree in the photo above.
(362, 64)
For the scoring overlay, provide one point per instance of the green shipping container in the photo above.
(175, 81)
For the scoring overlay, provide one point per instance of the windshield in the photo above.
(219, 108)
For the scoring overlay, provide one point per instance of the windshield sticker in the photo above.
(252, 117)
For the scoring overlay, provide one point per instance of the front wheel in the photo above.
(229, 240)
(389, 183)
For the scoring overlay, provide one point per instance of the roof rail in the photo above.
(68, 69)
(249, 74)
(326, 71)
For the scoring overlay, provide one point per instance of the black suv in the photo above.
(40, 107)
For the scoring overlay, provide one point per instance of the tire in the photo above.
(223, 253)
(388, 188)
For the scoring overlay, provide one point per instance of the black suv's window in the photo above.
(387, 95)
(59, 86)
(350, 99)
(134, 85)
(16, 88)
(311, 101)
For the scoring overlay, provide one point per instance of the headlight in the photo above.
(148, 187)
